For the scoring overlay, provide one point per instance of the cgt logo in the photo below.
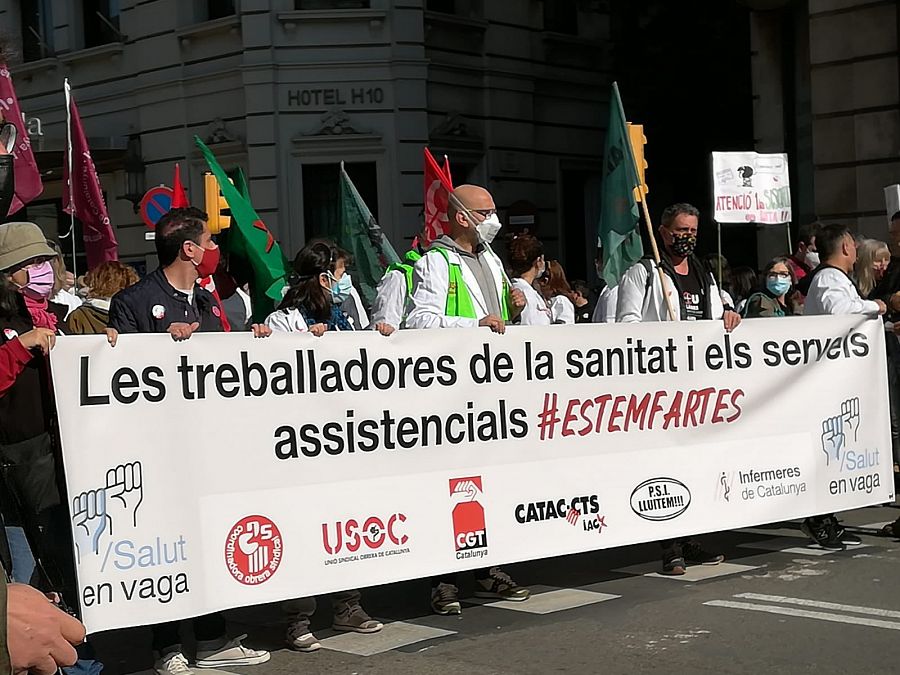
(469, 530)
(660, 499)
(373, 533)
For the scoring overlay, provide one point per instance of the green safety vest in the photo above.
(409, 261)
(459, 300)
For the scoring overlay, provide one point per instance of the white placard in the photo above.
(749, 187)
(226, 471)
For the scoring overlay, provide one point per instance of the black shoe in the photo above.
(822, 535)
(694, 553)
(673, 565)
(838, 532)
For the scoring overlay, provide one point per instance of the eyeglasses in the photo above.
(779, 275)
(487, 213)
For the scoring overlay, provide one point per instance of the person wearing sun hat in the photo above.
(31, 474)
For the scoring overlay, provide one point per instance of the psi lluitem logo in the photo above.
(253, 550)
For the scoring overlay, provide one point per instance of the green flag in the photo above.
(361, 235)
(618, 232)
(251, 239)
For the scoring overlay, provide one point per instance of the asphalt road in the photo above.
(785, 610)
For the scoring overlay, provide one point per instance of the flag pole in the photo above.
(71, 232)
(640, 188)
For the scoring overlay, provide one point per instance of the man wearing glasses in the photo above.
(460, 283)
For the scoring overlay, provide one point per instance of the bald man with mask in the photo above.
(484, 297)
(460, 283)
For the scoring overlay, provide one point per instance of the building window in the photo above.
(331, 4)
(101, 22)
(321, 195)
(444, 6)
(219, 9)
(37, 30)
(561, 16)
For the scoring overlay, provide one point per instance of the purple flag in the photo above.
(84, 198)
(28, 177)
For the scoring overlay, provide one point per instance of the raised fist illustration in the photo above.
(124, 487)
(90, 520)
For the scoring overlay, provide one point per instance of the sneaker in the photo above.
(820, 534)
(356, 621)
(673, 565)
(173, 664)
(232, 653)
(445, 600)
(695, 553)
(499, 585)
(838, 532)
(302, 640)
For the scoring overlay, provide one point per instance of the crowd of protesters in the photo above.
(457, 281)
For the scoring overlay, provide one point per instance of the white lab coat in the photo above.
(431, 280)
(562, 310)
(391, 301)
(605, 309)
(637, 303)
(536, 311)
(832, 292)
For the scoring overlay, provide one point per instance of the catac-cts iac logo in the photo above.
(364, 538)
(469, 530)
(584, 510)
(253, 550)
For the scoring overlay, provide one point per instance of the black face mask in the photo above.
(683, 245)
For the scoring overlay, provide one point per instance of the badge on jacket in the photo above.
(158, 312)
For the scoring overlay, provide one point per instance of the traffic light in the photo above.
(638, 141)
(217, 212)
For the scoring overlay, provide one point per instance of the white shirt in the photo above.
(391, 300)
(70, 300)
(291, 321)
(562, 310)
(605, 310)
(832, 292)
(536, 311)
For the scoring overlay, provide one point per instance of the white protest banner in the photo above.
(749, 187)
(225, 471)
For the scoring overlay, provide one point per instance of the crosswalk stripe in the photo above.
(855, 609)
(803, 613)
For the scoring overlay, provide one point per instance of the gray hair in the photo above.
(681, 209)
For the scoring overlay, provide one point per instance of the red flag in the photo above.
(437, 195)
(179, 197)
(28, 177)
(84, 198)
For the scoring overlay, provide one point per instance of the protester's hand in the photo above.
(39, 635)
(261, 330)
(895, 301)
(182, 331)
(882, 308)
(518, 298)
(731, 320)
(384, 328)
(496, 324)
(112, 335)
(318, 329)
(70, 281)
(39, 338)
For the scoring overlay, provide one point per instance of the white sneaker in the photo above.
(303, 641)
(173, 664)
(232, 653)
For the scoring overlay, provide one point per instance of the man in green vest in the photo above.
(460, 282)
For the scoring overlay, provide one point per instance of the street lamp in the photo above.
(134, 173)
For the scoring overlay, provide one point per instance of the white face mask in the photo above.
(812, 259)
(488, 228)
